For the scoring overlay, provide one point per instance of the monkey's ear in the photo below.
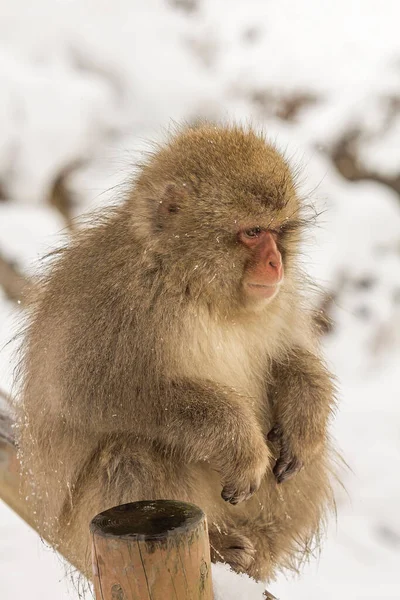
(170, 202)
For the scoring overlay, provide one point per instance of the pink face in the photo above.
(264, 271)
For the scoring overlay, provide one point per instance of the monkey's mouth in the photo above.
(262, 290)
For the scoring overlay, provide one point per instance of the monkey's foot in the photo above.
(288, 464)
(232, 548)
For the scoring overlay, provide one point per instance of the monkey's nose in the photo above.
(275, 262)
(274, 266)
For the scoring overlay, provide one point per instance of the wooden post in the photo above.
(10, 470)
(156, 550)
(10, 478)
(10, 481)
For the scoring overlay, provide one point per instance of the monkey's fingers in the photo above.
(275, 434)
(233, 495)
(286, 468)
(281, 464)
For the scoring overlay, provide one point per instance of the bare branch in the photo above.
(12, 280)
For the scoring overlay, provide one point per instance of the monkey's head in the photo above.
(217, 209)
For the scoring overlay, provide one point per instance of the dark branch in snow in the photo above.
(346, 160)
(6, 421)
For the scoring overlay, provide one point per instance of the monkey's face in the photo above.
(225, 223)
(264, 271)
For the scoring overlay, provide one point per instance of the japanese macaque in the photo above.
(171, 354)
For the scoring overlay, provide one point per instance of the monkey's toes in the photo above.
(236, 550)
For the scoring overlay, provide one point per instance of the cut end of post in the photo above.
(147, 520)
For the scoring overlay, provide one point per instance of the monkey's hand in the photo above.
(242, 476)
(287, 464)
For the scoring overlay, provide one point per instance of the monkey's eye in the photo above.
(253, 232)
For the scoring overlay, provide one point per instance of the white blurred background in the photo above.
(84, 84)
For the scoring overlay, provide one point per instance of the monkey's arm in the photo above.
(202, 421)
(302, 393)
(194, 420)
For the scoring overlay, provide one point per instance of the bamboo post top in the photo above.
(147, 520)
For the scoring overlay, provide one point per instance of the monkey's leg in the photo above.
(127, 470)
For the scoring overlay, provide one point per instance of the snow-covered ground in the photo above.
(84, 84)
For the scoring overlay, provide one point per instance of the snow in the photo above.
(241, 587)
(28, 568)
(84, 85)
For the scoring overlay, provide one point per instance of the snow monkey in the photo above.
(170, 354)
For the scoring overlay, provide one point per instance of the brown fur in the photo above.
(147, 374)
